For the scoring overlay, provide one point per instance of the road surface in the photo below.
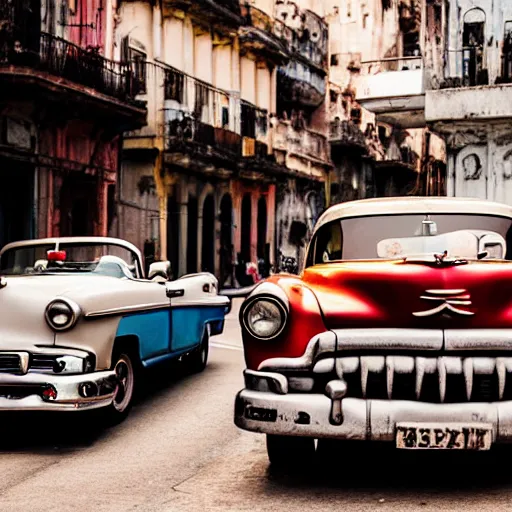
(180, 451)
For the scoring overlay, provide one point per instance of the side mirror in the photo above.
(160, 269)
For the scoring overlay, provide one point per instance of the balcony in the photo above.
(393, 89)
(69, 72)
(212, 131)
(260, 35)
(469, 104)
(304, 145)
(225, 14)
(346, 134)
(299, 84)
(254, 129)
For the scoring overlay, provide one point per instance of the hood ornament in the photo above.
(3, 282)
(447, 300)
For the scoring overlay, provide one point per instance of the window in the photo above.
(329, 243)
(138, 60)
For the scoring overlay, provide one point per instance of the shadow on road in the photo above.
(50, 432)
(380, 468)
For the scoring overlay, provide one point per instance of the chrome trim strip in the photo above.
(325, 343)
(158, 305)
(128, 309)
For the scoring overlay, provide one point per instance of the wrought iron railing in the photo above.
(465, 68)
(372, 67)
(254, 120)
(185, 127)
(64, 59)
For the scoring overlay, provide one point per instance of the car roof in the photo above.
(413, 204)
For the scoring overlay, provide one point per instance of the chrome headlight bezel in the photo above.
(251, 302)
(71, 308)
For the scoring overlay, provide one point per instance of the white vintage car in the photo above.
(78, 320)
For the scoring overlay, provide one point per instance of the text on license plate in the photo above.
(443, 436)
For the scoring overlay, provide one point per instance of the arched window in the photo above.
(473, 44)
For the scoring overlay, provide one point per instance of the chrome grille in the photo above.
(42, 363)
(426, 379)
(10, 363)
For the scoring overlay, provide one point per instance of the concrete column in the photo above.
(162, 206)
(255, 195)
(49, 191)
(102, 226)
(217, 227)
(271, 221)
(200, 208)
(450, 175)
(237, 219)
(183, 203)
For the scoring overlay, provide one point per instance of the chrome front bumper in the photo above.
(282, 398)
(372, 420)
(101, 388)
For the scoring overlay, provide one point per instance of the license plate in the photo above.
(443, 436)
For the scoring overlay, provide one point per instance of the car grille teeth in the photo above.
(428, 379)
(501, 369)
(10, 363)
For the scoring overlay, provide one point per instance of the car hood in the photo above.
(24, 299)
(413, 295)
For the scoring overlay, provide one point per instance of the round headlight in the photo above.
(62, 314)
(264, 317)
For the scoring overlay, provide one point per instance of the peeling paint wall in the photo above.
(468, 94)
(300, 205)
(362, 34)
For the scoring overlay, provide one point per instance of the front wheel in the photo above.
(125, 367)
(290, 452)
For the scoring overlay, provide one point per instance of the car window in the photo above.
(378, 236)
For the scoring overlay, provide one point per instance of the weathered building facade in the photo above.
(223, 83)
(468, 99)
(380, 143)
(63, 107)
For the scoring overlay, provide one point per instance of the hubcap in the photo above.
(124, 374)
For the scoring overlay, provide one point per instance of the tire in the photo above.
(126, 366)
(197, 360)
(290, 452)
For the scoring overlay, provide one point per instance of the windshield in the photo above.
(85, 258)
(399, 236)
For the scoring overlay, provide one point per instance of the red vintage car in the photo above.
(398, 329)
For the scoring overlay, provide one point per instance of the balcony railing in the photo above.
(465, 68)
(184, 127)
(63, 59)
(373, 67)
(212, 116)
(254, 121)
(303, 142)
(506, 63)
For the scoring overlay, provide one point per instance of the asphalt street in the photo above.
(180, 451)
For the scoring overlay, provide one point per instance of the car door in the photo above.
(187, 318)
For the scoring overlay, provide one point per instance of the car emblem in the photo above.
(449, 300)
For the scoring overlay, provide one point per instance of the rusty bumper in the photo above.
(310, 415)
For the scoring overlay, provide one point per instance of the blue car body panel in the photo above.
(163, 335)
(152, 328)
(188, 324)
